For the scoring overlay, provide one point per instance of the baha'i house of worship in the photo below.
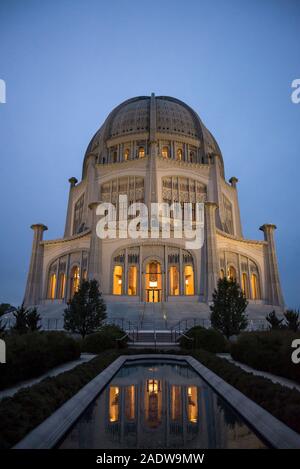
(153, 149)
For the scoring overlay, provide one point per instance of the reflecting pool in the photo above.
(159, 405)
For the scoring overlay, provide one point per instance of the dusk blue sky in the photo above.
(67, 64)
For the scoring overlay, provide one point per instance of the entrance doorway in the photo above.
(153, 282)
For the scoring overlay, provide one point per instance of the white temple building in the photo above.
(153, 149)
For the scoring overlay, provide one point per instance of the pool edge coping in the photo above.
(47, 434)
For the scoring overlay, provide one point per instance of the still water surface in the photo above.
(159, 405)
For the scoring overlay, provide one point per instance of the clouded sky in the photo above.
(67, 63)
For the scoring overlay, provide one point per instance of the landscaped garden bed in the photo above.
(29, 407)
(268, 351)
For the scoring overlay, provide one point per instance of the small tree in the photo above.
(292, 318)
(228, 309)
(274, 322)
(86, 311)
(33, 320)
(2, 329)
(20, 315)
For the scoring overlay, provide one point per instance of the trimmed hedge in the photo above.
(280, 401)
(206, 339)
(103, 340)
(31, 406)
(32, 354)
(268, 351)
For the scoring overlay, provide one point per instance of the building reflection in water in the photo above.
(160, 405)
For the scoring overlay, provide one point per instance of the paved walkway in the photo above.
(84, 358)
(274, 378)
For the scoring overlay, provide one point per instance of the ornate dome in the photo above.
(171, 116)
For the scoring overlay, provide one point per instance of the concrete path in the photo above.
(84, 358)
(274, 378)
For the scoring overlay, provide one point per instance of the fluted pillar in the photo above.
(238, 228)
(212, 260)
(273, 287)
(33, 292)
(95, 254)
(68, 227)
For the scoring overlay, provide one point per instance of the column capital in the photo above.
(233, 181)
(211, 205)
(73, 181)
(38, 226)
(93, 205)
(267, 227)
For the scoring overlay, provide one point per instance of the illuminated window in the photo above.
(255, 287)
(179, 154)
(245, 285)
(52, 286)
(114, 398)
(174, 280)
(126, 154)
(130, 402)
(132, 280)
(231, 273)
(141, 152)
(165, 152)
(75, 280)
(188, 280)
(62, 285)
(192, 404)
(222, 275)
(117, 280)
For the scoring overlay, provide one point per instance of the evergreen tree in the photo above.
(33, 320)
(274, 322)
(228, 309)
(20, 315)
(292, 318)
(86, 311)
(2, 329)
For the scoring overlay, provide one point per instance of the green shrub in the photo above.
(206, 339)
(32, 354)
(31, 406)
(280, 401)
(268, 351)
(103, 340)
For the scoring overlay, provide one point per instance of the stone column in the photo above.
(212, 261)
(68, 228)
(95, 254)
(238, 224)
(33, 292)
(273, 287)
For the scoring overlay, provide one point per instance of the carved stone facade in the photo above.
(153, 149)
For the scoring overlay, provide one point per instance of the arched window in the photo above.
(52, 286)
(245, 284)
(179, 154)
(174, 280)
(117, 280)
(231, 273)
(115, 156)
(132, 280)
(192, 156)
(62, 286)
(188, 280)
(141, 152)
(75, 280)
(126, 154)
(255, 287)
(165, 152)
(222, 274)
